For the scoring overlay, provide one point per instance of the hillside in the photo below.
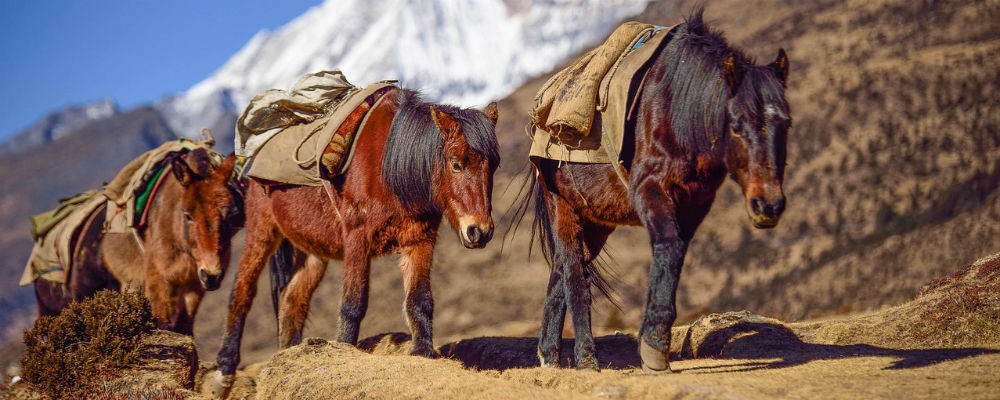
(32, 182)
(892, 180)
(929, 347)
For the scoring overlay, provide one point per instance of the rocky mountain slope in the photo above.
(59, 124)
(32, 181)
(932, 346)
(892, 180)
(480, 50)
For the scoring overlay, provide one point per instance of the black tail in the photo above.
(541, 229)
(282, 268)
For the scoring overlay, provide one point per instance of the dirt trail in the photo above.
(943, 344)
(759, 361)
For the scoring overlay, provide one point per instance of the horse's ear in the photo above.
(199, 162)
(733, 72)
(181, 171)
(780, 66)
(447, 125)
(492, 112)
(226, 167)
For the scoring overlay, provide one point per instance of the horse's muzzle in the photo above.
(209, 282)
(765, 213)
(476, 236)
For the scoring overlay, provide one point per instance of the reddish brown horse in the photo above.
(704, 110)
(414, 163)
(184, 247)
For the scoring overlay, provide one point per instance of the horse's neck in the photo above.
(164, 209)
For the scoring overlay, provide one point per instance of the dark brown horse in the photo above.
(705, 110)
(183, 250)
(414, 163)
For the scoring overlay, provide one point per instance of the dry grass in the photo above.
(892, 180)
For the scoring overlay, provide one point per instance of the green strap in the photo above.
(142, 199)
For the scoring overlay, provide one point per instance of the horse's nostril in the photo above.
(473, 234)
(779, 206)
(757, 205)
(202, 275)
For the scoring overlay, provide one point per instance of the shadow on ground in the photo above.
(763, 346)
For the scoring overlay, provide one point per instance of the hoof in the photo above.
(221, 384)
(588, 363)
(424, 352)
(548, 362)
(653, 361)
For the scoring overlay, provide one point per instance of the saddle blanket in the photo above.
(55, 233)
(602, 141)
(296, 136)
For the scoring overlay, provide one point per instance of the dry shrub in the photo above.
(964, 308)
(87, 342)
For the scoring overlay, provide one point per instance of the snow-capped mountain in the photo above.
(463, 52)
(59, 123)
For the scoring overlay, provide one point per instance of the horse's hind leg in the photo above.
(419, 304)
(52, 297)
(553, 320)
(571, 253)
(554, 311)
(295, 301)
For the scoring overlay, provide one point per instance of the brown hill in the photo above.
(892, 178)
(33, 180)
(930, 347)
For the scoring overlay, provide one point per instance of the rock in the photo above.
(171, 354)
(736, 334)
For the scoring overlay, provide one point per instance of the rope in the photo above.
(295, 152)
(334, 199)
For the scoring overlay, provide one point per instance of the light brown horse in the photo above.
(414, 163)
(182, 252)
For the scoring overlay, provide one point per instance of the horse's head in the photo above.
(463, 179)
(211, 215)
(759, 119)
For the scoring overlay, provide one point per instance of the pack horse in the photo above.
(413, 163)
(702, 111)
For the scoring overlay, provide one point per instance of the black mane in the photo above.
(415, 146)
(689, 69)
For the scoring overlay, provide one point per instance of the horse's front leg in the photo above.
(657, 210)
(354, 297)
(190, 300)
(419, 303)
(262, 241)
(163, 299)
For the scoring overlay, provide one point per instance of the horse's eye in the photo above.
(455, 166)
(187, 217)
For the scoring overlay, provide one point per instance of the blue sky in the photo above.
(56, 53)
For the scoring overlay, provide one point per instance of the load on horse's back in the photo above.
(374, 175)
(692, 110)
(148, 230)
